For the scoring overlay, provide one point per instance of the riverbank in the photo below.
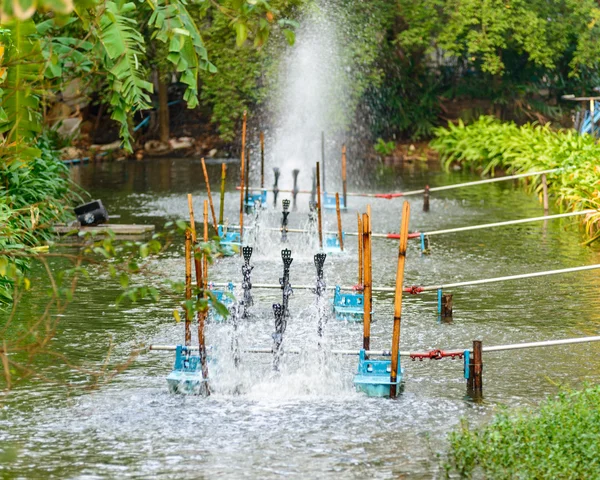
(488, 145)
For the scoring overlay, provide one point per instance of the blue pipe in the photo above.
(422, 242)
(467, 357)
(439, 292)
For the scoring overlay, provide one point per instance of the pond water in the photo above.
(306, 422)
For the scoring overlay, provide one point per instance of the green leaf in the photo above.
(241, 32)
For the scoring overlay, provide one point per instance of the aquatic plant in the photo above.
(489, 145)
(558, 441)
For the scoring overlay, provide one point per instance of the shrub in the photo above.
(560, 441)
(489, 144)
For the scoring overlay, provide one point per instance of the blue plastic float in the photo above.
(230, 241)
(225, 297)
(332, 243)
(373, 376)
(250, 201)
(186, 377)
(329, 202)
(348, 307)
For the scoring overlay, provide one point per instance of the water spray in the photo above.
(284, 220)
(286, 256)
(320, 291)
(295, 190)
(280, 326)
(276, 173)
(247, 283)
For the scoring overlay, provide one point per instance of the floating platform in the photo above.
(225, 297)
(230, 242)
(332, 243)
(186, 377)
(329, 202)
(348, 307)
(373, 376)
(117, 228)
(253, 199)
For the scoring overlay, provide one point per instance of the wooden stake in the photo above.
(475, 382)
(360, 250)
(339, 221)
(368, 281)
(545, 194)
(426, 199)
(447, 305)
(320, 220)
(398, 296)
(242, 171)
(212, 208)
(198, 267)
(204, 313)
(188, 285)
(344, 185)
(262, 160)
(204, 258)
(222, 205)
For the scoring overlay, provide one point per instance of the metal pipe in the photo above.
(443, 187)
(416, 235)
(428, 288)
(407, 353)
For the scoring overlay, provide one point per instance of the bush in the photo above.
(560, 441)
(34, 195)
(489, 144)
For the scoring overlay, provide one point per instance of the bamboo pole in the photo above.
(360, 250)
(368, 279)
(262, 160)
(344, 183)
(188, 285)
(204, 258)
(242, 179)
(339, 221)
(398, 296)
(222, 205)
(201, 316)
(320, 220)
(212, 208)
(204, 313)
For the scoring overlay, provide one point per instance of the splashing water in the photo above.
(311, 100)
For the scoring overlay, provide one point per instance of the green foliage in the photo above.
(21, 119)
(384, 148)
(34, 195)
(559, 441)
(489, 144)
(123, 51)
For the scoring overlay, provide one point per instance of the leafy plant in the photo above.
(489, 144)
(384, 148)
(558, 441)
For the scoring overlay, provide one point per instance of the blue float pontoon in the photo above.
(230, 241)
(332, 243)
(225, 297)
(186, 377)
(329, 202)
(373, 376)
(348, 307)
(251, 201)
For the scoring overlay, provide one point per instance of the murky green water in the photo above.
(308, 422)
